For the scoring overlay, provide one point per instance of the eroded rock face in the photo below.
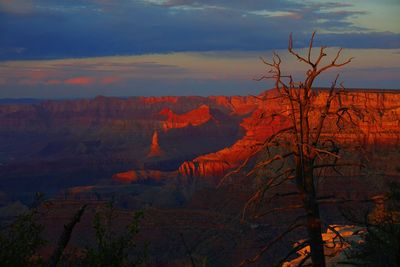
(194, 117)
(377, 124)
(241, 105)
(91, 139)
(155, 150)
(217, 164)
(142, 175)
(204, 168)
(196, 136)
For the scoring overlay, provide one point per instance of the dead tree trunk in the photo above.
(313, 223)
(306, 185)
(302, 147)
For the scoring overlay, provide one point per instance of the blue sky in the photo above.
(75, 48)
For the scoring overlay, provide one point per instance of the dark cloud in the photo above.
(247, 5)
(60, 29)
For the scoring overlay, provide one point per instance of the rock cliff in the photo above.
(378, 123)
(84, 140)
(155, 150)
(196, 136)
(194, 117)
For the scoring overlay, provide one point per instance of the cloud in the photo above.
(18, 7)
(87, 80)
(65, 29)
(74, 81)
(229, 4)
(11, 50)
(285, 14)
(176, 66)
(83, 80)
(204, 73)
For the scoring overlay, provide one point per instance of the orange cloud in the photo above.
(39, 77)
(82, 80)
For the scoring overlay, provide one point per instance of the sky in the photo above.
(85, 48)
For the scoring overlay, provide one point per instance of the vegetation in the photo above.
(381, 246)
(21, 241)
(112, 250)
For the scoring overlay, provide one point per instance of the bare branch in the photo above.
(342, 241)
(295, 249)
(266, 62)
(264, 78)
(321, 55)
(286, 208)
(265, 163)
(273, 242)
(246, 161)
(303, 261)
(310, 47)
(325, 110)
(324, 151)
(334, 64)
(338, 165)
(291, 51)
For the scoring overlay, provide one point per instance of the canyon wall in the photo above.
(373, 121)
(79, 142)
(134, 138)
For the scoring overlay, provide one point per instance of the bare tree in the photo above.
(301, 150)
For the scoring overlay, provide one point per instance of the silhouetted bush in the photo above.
(381, 246)
(20, 241)
(112, 249)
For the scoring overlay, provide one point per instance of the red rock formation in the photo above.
(142, 175)
(136, 118)
(155, 150)
(195, 117)
(204, 168)
(161, 99)
(218, 163)
(240, 105)
(380, 125)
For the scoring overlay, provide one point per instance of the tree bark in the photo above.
(313, 219)
(315, 236)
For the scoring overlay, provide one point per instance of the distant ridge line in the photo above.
(371, 90)
(5, 101)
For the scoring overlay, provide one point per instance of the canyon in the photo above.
(68, 143)
(166, 155)
(52, 145)
(376, 123)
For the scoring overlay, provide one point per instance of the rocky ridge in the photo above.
(191, 136)
(378, 123)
